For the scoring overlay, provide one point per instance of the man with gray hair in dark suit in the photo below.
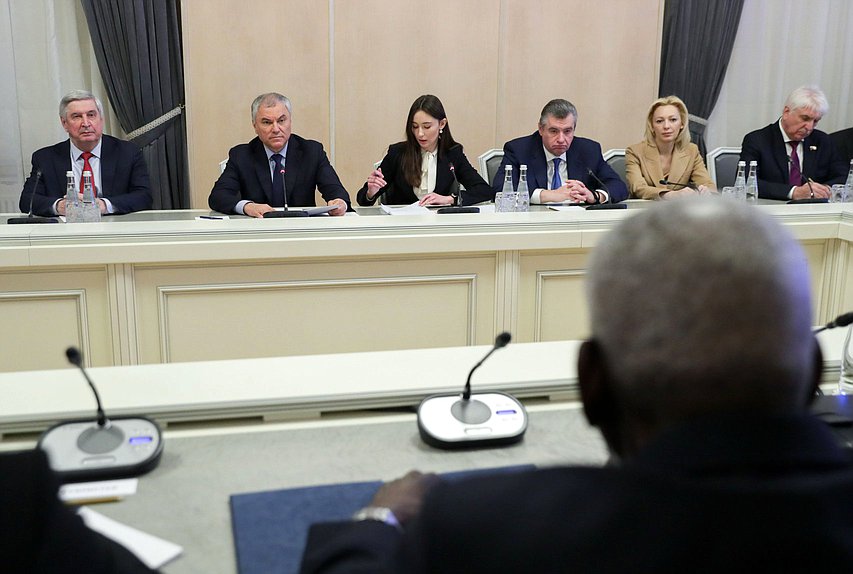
(119, 173)
(277, 168)
(795, 159)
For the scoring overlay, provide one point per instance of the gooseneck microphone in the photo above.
(601, 183)
(122, 447)
(287, 212)
(281, 173)
(841, 321)
(459, 208)
(455, 421)
(30, 218)
(679, 184)
(74, 357)
(501, 341)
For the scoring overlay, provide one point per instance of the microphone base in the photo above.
(485, 420)
(458, 209)
(82, 451)
(287, 213)
(597, 206)
(31, 219)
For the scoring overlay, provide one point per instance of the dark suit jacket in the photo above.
(38, 534)
(843, 140)
(124, 177)
(247, 176)
(582, 155)
(399, 191)
(767, 146)
(756, 494)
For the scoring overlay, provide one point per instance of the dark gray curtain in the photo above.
(698, 36)
(138, 48)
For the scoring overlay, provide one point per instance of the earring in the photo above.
(440, 131)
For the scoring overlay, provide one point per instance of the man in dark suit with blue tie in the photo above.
(118, 168)
(277, 168)
(561, 166)
(795, 160)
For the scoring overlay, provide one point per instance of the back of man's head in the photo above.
(700, 307)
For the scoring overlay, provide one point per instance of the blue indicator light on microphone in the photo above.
(507, 412)
(141, 439)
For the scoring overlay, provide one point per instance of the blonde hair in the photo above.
(684, 136)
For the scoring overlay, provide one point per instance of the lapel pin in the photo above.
(813, 147)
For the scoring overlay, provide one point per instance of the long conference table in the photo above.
(248, 425)
(288, 353)
(165, 286)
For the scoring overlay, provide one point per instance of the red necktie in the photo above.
(87, 167)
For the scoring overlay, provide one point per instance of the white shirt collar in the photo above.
(77, 152)
(270, 152)
(550, 157)
(785, 137)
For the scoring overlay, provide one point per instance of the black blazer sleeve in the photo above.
(124, 176)
(397, 191)
(476, 188)
(233, 184)
(350, 548)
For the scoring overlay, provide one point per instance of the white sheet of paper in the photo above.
(152, 551)
(100, 490)
(413, 209)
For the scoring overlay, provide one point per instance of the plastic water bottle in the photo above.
(752, 182)
(740, 180)
(849, 184)
(89, 207)
(72, 199)
(522, 199)
(502, 198)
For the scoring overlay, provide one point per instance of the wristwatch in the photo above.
(380, 513)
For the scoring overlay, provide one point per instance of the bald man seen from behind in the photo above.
(698, 374)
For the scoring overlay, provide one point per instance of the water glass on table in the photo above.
(736, 193)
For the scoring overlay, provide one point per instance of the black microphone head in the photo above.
(502, 340)
(74, 356)
(663, 182)
(844, 320)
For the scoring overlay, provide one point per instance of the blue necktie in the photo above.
(556, 181)
(277, 182)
